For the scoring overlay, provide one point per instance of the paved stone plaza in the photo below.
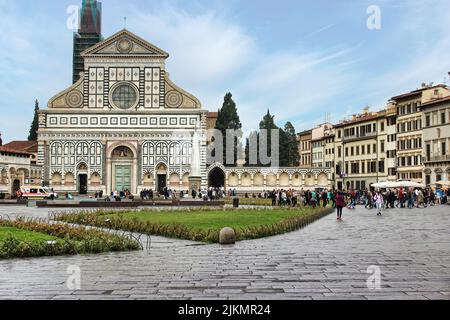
(326, 260)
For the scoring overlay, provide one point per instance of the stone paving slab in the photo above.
(326, 260)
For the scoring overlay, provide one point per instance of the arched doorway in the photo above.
(82, 171)
(322, 180)
(216, 178)
(309, 180)
(161, 177)
(15, 187)
(122, 168)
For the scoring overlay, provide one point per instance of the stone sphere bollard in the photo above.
(227, 236)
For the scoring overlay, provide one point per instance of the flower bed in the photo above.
(35, 238)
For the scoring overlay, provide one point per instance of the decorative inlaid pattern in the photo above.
(176, 154)
(174, 99)
(74, 99)
(124, 45)
(66, 156)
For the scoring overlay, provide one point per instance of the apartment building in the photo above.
(318, 142)
(391, 142)
(436, 140)
(329, 152)
(361, 150)
(304, 146)
(409, 129)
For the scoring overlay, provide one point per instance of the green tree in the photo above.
(288, 146)
(254, 137)
(228, 118)
(35, 124)
(291, 157)
(268, 124)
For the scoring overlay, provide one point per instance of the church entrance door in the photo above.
(123, 178)
(15, 187)
(82, 183)
(216, 178)
(162, 182)
(123, 170)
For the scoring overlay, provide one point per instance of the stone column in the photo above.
(134, 178)
(195, 179)
(108, 178)
(8, 181)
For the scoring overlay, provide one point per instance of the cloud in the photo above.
(291, 84)
(213, 52)
(205, 48)
(35, 63)
(423, 42)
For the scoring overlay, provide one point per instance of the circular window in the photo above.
(124, 96)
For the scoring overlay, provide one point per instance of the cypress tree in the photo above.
(35, 124)
(268, 123)
(228, 118)
(292, 157)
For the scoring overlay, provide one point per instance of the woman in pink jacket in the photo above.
(378, 198)
(340, 203)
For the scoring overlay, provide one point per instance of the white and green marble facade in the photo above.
(84, 131)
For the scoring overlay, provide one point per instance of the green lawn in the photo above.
(214, 219)
(24, 235)
(200, 224)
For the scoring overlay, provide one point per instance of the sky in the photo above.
(302, 60)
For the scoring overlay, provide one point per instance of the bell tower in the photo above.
(89, 33)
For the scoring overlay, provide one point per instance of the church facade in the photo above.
(124, 125)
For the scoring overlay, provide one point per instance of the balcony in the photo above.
(367, 135)
(437, 158)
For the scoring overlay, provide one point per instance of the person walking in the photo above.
(369, 203)
(379, 201)
(421, 199)
(340, 203)
(351, 196)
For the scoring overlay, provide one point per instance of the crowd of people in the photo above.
(370, 199)
(388, 198)
(209, 194)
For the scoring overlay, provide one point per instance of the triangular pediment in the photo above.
(127, 44)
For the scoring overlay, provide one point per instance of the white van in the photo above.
(38, 193)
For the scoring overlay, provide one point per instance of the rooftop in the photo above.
(23, 146)
(359, 118)
(10, 150)
(418, 91)
(442, 100)
(304, 132)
